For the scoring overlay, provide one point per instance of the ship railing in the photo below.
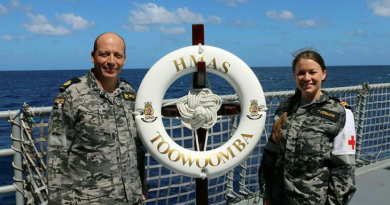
(370, 104)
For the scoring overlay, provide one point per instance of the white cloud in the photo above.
(37, 19)
(186, 16)
(214, 19)
(47, 29)
(77, 22)
(239, 24)
(356, 33)
(137, 28)
(40, 25)
(381, 8)
(3, 10)
(18, 6)
(6, 38)
(152, 14)
(232, 3)
(15, 4)
(172, 31)
(306, 23)
(284, 15)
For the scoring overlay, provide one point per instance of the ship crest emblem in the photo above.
(149, 112)
(254, 111)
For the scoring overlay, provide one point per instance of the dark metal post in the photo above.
(202, 194)
(199, 78)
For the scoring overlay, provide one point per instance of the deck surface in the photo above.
(373, 184)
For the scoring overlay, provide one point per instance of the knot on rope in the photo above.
(199, 108)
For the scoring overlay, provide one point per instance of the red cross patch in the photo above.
(352, 142)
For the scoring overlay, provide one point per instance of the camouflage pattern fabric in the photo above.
(95, 155)
(302, 169)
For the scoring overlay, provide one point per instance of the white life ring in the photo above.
(212, 163)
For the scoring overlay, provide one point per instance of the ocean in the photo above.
(38, 88)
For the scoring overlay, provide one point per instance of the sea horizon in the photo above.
(7, 70)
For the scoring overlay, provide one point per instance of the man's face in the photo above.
(109, 57)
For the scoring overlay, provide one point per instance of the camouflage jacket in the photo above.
(95, 155)
(302, 168)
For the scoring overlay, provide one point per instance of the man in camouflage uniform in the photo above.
(308, 165)
(94, 153)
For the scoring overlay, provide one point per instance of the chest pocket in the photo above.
(316, 136)
(129, 108)
(95, 127)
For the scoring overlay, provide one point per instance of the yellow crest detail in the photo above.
(148, 110)
(254, 108)
(67, 83)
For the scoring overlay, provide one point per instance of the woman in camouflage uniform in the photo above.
(310, 157)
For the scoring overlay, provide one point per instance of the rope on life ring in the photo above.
(199, 108)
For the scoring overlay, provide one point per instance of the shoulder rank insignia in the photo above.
(129, 96)
(68, 83)
(59, 103)
(327, 114)
(345, 104)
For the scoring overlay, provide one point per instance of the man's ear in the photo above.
(92, 57)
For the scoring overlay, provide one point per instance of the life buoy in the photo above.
(212, 163)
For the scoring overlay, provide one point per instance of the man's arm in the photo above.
(60, 135)
(141, 165)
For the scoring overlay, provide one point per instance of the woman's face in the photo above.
(308, 76)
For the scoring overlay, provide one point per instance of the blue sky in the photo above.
(59, 34)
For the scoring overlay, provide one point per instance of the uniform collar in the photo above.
(92, 83)
(323, 98)
(294, 101)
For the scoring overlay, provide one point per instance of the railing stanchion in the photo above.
(18, 175)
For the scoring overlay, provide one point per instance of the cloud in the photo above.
(356, 33)
(40, 25)
(137, 28)
(239, 24)
(7, 37)
(3, 10)
(232, 3)
(77, 22)
(306, 23)
(18, 6)
(152, 14)
(381, 8)
(214, 19)
(284, 15)
(172, 31)
(15, 5)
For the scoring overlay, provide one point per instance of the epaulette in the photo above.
(68, 83)
(346, 105)
(123, 80)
